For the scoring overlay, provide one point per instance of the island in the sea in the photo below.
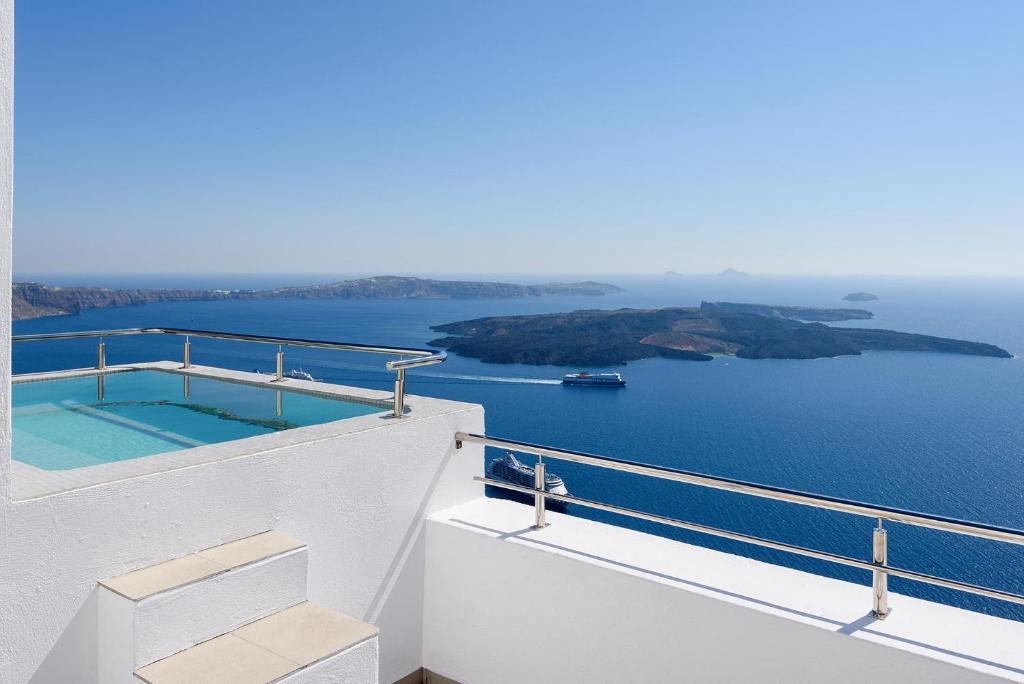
(751, 331)
(860, 297)
(34, 300)
(727, 273)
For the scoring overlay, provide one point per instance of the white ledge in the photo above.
(983, 644)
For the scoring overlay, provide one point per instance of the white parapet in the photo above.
(588, 602)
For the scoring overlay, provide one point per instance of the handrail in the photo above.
(878, 566)
(421, 357)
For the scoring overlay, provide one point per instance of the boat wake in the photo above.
(465, 377)
(493, 378)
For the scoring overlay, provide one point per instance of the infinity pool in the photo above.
(65, 424)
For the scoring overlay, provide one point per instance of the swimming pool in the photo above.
(75, 422)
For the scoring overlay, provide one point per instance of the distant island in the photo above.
(751, 331)
(860, 297)
(727, 273)
(34, 300)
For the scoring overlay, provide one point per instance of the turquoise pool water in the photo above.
(63, 424)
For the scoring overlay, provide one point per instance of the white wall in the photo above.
(585, 602)
(358, 500)
(6, 208)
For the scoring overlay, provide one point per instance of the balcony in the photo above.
(369, 536)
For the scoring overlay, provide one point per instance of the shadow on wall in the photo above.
(73, 656)
(402, 584)
(411, 548)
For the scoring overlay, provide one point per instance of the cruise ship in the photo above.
(299, 374)
(594, 379)
(511, 469)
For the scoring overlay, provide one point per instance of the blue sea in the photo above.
(937, 433)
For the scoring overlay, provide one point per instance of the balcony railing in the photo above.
(416, 357)
(878, 565)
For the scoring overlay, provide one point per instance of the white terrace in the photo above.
(363, 550)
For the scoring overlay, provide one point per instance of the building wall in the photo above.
(358, 500)
(584, 602)
(6, 209)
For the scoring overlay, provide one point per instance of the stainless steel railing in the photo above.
(419, 357)
(878, 566)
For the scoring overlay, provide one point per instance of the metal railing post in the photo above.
(279, 376)
(880, 580)
(538, 498)
(101, 355)
(399, 393)
(187, 355)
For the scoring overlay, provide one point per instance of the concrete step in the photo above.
(304, 644)
(157, 611)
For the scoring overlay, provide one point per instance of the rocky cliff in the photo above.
(33, 300)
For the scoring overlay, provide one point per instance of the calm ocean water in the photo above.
(937, 433)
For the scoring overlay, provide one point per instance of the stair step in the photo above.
(305, 637)
(140, 584)
(225, 659)
(151, 613)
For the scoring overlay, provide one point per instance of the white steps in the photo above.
(303, 644)
(209, 609)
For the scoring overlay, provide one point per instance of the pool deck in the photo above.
(29, 482)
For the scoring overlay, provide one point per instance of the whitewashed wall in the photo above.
(6, 207)
(358, 500)
(6, 210)
(586, 602)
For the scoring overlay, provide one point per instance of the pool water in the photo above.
(64, 424)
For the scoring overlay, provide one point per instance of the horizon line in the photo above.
(590, 274)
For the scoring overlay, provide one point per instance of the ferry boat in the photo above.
(594, 379)
(511, 469)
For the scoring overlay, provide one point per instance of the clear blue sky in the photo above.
(320, 135)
